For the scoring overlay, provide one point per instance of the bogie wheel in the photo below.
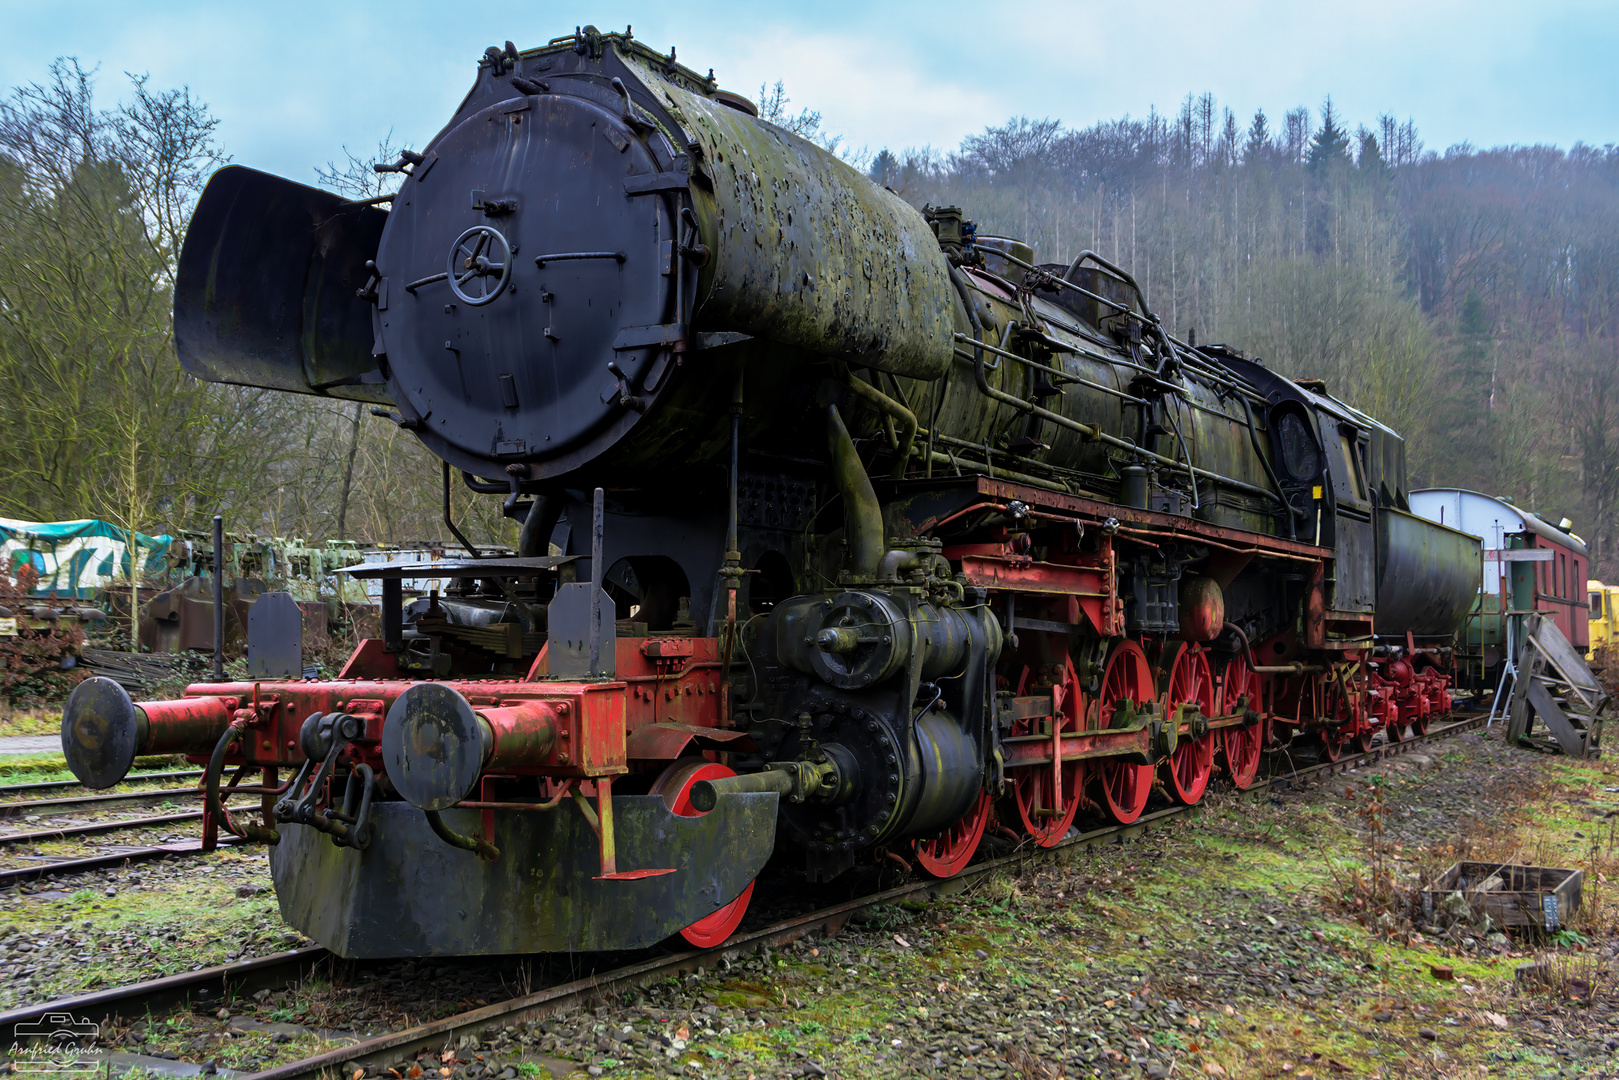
(675, 785)
(948, 854)
(1240, 689)
(1127, 678)
(1419, 722)
(1048, 797)
(1190, 682)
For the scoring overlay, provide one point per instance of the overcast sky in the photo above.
(293, 82)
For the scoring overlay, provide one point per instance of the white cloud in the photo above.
(868, 90)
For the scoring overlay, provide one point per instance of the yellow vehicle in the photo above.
(1604, 615)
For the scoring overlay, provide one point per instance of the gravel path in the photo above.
(15, 745)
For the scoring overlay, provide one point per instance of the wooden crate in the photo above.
(1541, 896)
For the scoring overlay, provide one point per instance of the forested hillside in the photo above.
(1468, 298)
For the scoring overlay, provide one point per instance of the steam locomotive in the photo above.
(845, 530)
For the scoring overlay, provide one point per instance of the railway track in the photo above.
(37, 836)
(8, 790)
(284, 969)
(93, 803)
(81, 803)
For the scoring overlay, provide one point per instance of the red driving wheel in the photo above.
(948, 854)
(675, 787)
(1048, 797)
(1190, 682)
(1127, 677)
(1241, 689)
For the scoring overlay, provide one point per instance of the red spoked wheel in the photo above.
(948, 854)
(1309, 718)
(1345, 707)
(1047, 796)
(1127, 678)
(1240, 689)
(1315, 713)
(1399, 731)
(675, 786)
(1423, 709)
(1190, 682)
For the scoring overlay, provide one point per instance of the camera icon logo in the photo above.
(57, 1027)
(55, 1042)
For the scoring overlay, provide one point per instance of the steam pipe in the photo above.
(903, 417)
(1294, 668)
(1089, 431)
(863, 515)
(450, 521)
(535, 536)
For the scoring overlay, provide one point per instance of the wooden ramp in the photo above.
(1553, 685)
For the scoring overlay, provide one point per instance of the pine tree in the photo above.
(883, 167)
(1331, 143)
(1370, 159)
(1258, 147)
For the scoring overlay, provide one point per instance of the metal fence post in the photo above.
(219, 598)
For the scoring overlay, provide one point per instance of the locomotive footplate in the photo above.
(410, 894)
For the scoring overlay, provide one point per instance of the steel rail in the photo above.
(111, 861)
(92, 802)
(42, 835)
(281, 969)
(137, 999)
(63, 785)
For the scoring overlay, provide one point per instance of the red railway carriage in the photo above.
(1529, 565)
(870, 530)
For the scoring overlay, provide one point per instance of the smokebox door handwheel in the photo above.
(477, 255)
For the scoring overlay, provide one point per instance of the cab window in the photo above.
(1595, 601)
(1347, 470)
